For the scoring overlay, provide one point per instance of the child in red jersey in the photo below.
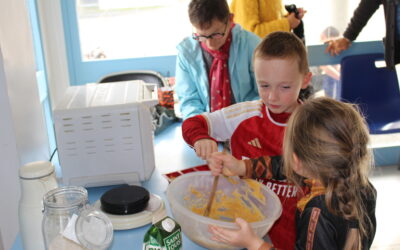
(325, 148)
(256, 128)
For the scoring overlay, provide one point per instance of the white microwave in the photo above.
(104, 133)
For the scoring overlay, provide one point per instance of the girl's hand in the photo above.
(226, 164)
(335, 47)
(244, 237)
(205, 147)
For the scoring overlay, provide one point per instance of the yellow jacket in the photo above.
(260, 16)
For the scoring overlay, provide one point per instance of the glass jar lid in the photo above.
(94, 229)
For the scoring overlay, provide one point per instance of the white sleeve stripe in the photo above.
(243, 112)
(241, 106)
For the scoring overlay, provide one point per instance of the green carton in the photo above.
(163, 235)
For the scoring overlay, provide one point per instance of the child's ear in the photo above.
(296, 163)
(297, 167)
(306, 80)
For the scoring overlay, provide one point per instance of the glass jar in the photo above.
(69, 222)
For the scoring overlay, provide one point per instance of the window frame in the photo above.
(82, 72)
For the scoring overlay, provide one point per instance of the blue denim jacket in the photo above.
(192, 85)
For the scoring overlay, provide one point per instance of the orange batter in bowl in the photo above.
(240, 202)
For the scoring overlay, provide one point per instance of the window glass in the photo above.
(326, 80)
(116, 29)
(337, 14)
(326, 20)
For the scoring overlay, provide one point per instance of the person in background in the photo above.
(255, 128)
(362, 14)
(326, 150)
(264, 16)
(327, 77)
(328, 34)
(214, 66)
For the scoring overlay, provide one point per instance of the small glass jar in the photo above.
(69, 222)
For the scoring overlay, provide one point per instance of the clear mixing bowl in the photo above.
(182, 199)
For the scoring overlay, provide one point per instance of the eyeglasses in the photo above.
(216, 35)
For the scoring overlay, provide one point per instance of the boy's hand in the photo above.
(335, 47)
(205, 147)
(244, 237)
(226, 164)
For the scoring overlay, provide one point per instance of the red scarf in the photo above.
(220, 84)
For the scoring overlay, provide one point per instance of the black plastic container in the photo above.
(125, 200)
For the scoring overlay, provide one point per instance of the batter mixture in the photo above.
(242, 202)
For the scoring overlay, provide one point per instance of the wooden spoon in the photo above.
(215, 184)
(210, 200)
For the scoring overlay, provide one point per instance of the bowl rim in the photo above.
(231, 225)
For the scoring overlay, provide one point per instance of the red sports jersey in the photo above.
(253, 132)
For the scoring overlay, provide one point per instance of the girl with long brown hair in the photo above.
(326, 150)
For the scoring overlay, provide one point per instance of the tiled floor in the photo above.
(386, 180)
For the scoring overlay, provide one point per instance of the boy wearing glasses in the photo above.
(214, 66)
